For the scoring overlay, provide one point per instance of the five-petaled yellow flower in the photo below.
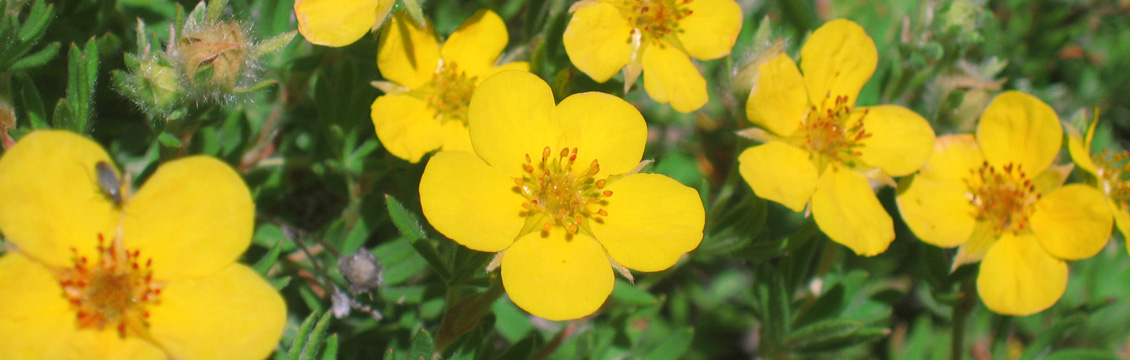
(151, 277)
(998, 197)
(819, 149)
(555, 189)
(1111, 173)
(657, 37)
(339, 22)
(425, 106)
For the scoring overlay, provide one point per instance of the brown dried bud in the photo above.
(362, 271)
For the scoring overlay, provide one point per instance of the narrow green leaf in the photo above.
(314, 343)
(60, 117)
(414, 9)
(1082, 354)
(301, 337)
(834, 334)
(674, 346)
(267, 261)
(778, 312)
(38, 58)
(215, 9)
(632, 295)
(90, 55)
(331, 348)
(169, 140)
(279, 283)
(36, 22)
(1062, 327)
(429, 253)
(827, 306)
(422, 346)
(521, 350)
(272, 44)
(32, 103)
(405, 221)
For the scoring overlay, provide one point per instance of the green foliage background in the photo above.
(763, 283)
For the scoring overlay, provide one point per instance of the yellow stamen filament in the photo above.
(656, 19)
(114, 293)
(552, 188)
(1114, 176)
(1003, 197)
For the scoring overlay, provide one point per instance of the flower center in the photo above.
(828, 133)
(1005, 198)
(552, 188)
(1114, 176)
(656, 18)
(452, 92)
(114, 292)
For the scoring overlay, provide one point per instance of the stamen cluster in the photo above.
(1005, 198)
(827, 133)
(656, 18)
(553, 189)
(1114, 176)
(452, 92)
(113, 292)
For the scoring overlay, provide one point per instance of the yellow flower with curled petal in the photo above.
(555, 191)
(153, 276)
(1111, 172)
(819, 149)
(339, 22)
(425, 105)
(655, 37)
(997, 196)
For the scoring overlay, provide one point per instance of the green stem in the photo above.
(960, 315)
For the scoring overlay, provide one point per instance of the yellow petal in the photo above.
(557, 277)
(406, 126)
(336, 22)
(848, 212)
(408, 54)
(470, 202)
(710, 30)
(477, 42)
(936, 211)
(1080, 150)
(1072, 222)
(515, 66)
(231, 314)
(953, 158)
(1018, 278)
(605, 128)
(36, 322)
(1019, 128)
(652, 221)
(901, 140)
(778, 101)
(1121, 219)
(669, 76)
(194, 216)
(50, 200)
(837, 60)
(779, 172)
(456, 137)
(596, 41)
(509, 118)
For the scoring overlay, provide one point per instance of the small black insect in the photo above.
(109, 181)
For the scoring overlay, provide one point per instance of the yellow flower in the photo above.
(1111, 171)
(555, 190)
(151, 277)
(425, 106)
(819, 149)
(998, 197)
(339, 22)
(657, 37)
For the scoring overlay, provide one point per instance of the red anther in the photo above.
(528, 161)
(600, 183)
(149, 262)
(547, 226)
(545, 153)
(571, 228)
(602, 212)
(607, 193)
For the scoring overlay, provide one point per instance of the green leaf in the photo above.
(632, 295)
(32, 103)
(415, 11)
(331, 348)
(215, 9)
(674, 346)
(169, 140)
(36, 22)
(314, 342)
(1051, 335)
(521, 350)
(827, 306)
(834, 334)
(38, 58)
(272, 44)
(1082, 354)
(405, 221)
(267, 261)
(422, 346)
(302, 336)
